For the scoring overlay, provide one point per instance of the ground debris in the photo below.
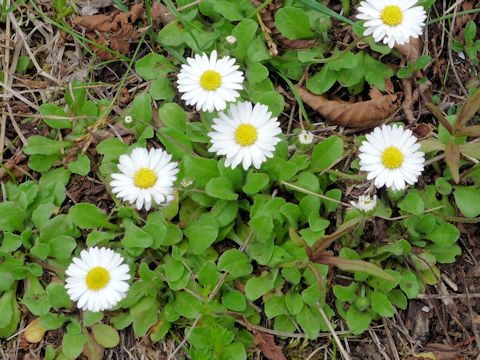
(267, 345)
(361, 114)
(114, 30)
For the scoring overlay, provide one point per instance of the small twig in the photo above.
(343, 352)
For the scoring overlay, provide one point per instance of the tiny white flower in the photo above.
(185, 183)
(365, 203)
(247, 134)
(305, 137)
(97, 279)
(146, 177)
(128, 119)
(390, 156)
(209, 83)
(393, 21)
(231, 39)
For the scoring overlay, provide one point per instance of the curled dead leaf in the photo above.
(34, 332)
(113, 30)
(267, 345)
(160, 12)
(411, 50)
(361, 114)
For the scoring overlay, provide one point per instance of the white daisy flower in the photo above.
(128, 119)
(393, 21)
(146, 177)
(209, 83)
(390, 156)
(305, 137)
(365, 203)
(247, 134)
(97, 279)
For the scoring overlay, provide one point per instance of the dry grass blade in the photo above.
(361, 114)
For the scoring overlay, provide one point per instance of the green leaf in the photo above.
(468, 200)
(43, 146)
(61, 247)
(72, 345)
(244, 32)
(201, 233)
(10, 242)
(200, 169)
(105, 335)
(172, 115)
(381, 305)
(357, 320)
(258, 286)
(444, 234)
(55, 116)
(96, 237)
(444, 254)
(234, 300)
(221, 188)
(187, 305)
(90, 317)
(11, 216)
(346, 293)
(412, 203)
(326, 153)
(88, 216)
(256, 73)
(153, 66)
(81, 166)
(162, 89)
(293, 23)
(58, 297)
(255, 183)
(171, 34)
(235, 262)
(409, 284)
(294, 302)
(322, 81)
(309, 322)
(228, 9)
(136, 237)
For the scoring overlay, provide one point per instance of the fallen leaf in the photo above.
(445, 352)
(267, 345)
(113, 30)
(35, 331)
(361, 114)
(411, 50)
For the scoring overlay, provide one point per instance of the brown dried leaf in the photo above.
(411, 50)
(114, 30)
(267, 345)
(268, 18)
(361, 114)
(452, 158)
(445, 352)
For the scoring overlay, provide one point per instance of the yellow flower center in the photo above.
(246, 135)
(97, 278)
(210, 80)
(145, 178)
(392, 15)
(392, 158)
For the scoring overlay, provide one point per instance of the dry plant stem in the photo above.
(308, 192)
(210, 298)
(450, 56)
(343, 352)
(20, 33)
(391, 342)
(377, 343)
(6, 66)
